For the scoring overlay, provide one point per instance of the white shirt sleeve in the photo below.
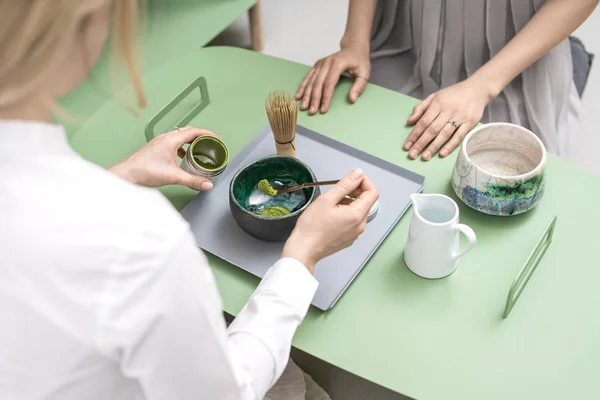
(165, 326)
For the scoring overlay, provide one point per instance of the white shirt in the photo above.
(104, 295)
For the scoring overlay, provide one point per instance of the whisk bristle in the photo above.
(282, 112)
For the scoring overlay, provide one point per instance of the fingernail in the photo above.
(304, 105)
(426, 156)
(407, 145)
(353, 96)
(298, 95)
(444, 152)
(312, 110)
(414, 153)
(206, 186)
(357, 173)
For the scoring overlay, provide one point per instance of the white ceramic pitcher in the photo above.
(432, 249)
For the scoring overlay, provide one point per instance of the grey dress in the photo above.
(420, 46)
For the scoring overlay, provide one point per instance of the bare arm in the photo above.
(316, 90)
(550, 25)
(359, 24)
(465, 101)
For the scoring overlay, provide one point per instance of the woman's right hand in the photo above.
(332, 223)
(316, 90)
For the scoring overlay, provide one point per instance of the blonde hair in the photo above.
(33, 32)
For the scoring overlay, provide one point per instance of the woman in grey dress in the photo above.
(469, 60)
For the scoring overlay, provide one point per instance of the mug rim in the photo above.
(219, 141)
(535, 171)
(262, 217)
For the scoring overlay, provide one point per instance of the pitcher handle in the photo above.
(471, 237)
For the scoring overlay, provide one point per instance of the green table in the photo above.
(441, 339)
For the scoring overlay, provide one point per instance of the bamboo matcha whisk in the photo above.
(282, 111)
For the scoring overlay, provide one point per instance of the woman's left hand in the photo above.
(156, 163)
(433, 119)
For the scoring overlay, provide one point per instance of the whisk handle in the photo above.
(199, 83)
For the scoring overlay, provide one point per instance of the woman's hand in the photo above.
(316, 90)
(156, 163)
(462, 103)
(332, 223)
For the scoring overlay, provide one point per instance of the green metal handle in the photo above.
(530, 265)
(199, 83)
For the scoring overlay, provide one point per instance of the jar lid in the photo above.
(373, 211)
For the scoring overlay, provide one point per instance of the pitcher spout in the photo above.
(416, 199)
(434, 208)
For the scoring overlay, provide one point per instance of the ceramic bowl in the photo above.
(500, 169)
(272, 229)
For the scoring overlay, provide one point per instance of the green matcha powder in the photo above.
(275, 211)
(266, 188)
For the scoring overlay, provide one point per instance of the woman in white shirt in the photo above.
(103, 293)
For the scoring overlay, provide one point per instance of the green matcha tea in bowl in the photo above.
(255, 204)
(207, 156)
(500, 169)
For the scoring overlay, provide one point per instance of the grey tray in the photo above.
(329, 159)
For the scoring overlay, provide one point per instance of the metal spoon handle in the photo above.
(306, 185)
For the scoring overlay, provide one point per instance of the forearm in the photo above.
(550, 25)
(178, 304)
(123, 170)
(260, 337)
(359, 24)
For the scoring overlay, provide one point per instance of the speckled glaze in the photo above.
(500, 169)
(272, 229)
